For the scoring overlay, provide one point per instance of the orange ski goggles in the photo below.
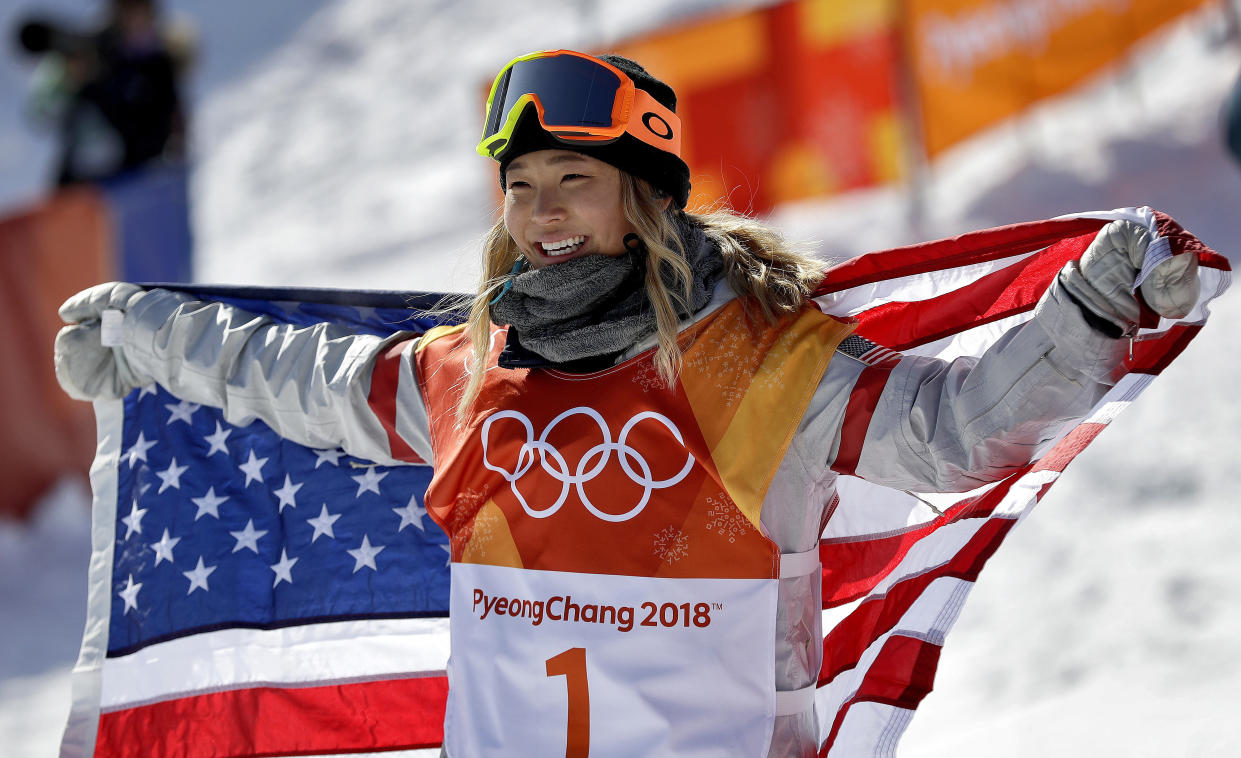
(579, 99)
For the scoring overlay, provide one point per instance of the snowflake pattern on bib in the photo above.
(726, 356)
(725, 519)
(671, 544)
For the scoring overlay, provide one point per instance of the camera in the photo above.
(39, 36)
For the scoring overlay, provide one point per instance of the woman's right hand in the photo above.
(85, 367)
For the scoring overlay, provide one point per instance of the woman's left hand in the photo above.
(1103, 280)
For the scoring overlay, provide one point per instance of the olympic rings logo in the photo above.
(589, 466)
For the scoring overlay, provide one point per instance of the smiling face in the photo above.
(561, 205)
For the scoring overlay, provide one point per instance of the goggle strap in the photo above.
(654, 124)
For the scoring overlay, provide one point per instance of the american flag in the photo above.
(250, 597)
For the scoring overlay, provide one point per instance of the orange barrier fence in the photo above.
(803, 98)
(977, 62)
(46, 255)
(134, 227)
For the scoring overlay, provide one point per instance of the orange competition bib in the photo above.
(613, 593)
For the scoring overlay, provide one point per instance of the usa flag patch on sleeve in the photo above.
(865, 351)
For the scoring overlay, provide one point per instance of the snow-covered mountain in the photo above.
(343, 156)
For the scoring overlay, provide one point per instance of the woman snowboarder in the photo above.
(631, 377)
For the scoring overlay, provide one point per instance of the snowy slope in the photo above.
(1106, 626)
(351, 157)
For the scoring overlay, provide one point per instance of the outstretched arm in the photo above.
(310, 384)
(929, 425)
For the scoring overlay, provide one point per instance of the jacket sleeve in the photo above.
(924, 424)
(321, 385)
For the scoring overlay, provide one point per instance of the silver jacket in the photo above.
(938, 426)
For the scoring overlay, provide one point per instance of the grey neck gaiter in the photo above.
(596, 305)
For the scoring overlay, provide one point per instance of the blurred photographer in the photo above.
(112, 95)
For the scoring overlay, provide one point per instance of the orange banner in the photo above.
(977, 62)
(785, 102)
(46, 255)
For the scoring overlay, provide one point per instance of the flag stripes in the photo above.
(900, 676)
(395, 713)
(385, 382)
(858, 412)
(949, 257)
(845, 645)
(1010, 290)
(892, 592)
(235, 657)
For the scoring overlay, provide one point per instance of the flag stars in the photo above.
(286, 493)
(163, 548)
(248, 537)
(138, 451)
(328, 456)
(369, 482)
(146, 389)
(283, 569)
(198, 576)
(133, 522)
(323, 524)
(208, 504)
(182, 411)
(412, 513)
(216, 440)
(171, 476)
(253, 469)
(130, 595)
(365, 555)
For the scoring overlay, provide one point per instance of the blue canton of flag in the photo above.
(234, 526)
(220, 526)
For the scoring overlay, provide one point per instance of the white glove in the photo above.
(85, 368)
(1102, 282)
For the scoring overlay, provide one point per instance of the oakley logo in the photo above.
(592, 462)
(664, 133)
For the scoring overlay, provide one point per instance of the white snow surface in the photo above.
(343, 156)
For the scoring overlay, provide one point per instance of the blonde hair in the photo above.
(759, 264)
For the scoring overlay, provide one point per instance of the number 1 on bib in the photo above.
(572, 665)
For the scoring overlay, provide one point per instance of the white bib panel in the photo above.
(646, 666)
